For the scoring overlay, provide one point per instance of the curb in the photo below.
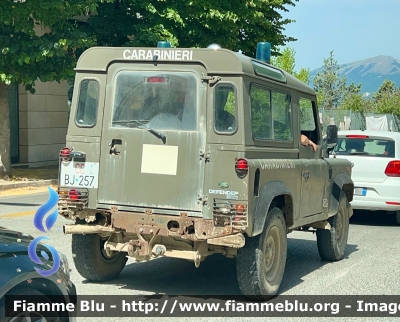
(23, 184)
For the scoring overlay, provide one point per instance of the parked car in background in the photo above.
(18, 277)
(375, 158)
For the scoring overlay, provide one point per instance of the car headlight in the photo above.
(64, 266)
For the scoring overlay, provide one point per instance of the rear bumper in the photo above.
(377, 195)
(359, 203)
(190, 228)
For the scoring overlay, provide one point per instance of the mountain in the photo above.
(369, 72)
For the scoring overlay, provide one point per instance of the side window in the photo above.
(281, 115)
(307, 121)
(260, 113)
(88, 101)
(267, 107)
(225, 108)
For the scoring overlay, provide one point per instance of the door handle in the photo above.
(306, 175)
(112, 144)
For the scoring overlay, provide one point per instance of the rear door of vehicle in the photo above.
(153, 132)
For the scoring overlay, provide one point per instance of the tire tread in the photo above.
(83, 247)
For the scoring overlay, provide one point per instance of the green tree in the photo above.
(26, 57)
(387, 98)
(236, 25)
(353, 100)
(285, 59)
(330, 86)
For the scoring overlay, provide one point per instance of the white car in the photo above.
(375, 158)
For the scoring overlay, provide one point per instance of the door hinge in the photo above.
(324, 203)
(205, 155)
(202, 199)
(211, 80)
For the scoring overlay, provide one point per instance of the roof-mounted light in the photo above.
(214, 46)
(164, 44)
(264, 52)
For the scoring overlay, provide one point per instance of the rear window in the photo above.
(164, 101)
(366, 146)
(88, 101)
(225, 108)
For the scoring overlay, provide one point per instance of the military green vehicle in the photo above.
(185, 153)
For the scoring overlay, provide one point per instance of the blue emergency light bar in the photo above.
(264, 52)
(164, 44)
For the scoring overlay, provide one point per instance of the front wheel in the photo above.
(260, 264)
(332, 243)
(91, 260)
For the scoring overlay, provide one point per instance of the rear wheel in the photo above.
(332, 243)
(91, 260)
(397, 213)
(260, 264)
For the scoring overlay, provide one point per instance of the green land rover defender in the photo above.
(189, 152)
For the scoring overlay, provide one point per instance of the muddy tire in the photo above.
(260, 264)
(397, 216)
(91, 260)
(332, 243)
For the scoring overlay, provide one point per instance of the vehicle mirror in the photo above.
(331, 135)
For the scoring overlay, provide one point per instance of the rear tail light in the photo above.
(393, 203)
(230, 212)
(239, 208)
(393, 169)
(65, 153)
(240, 212)
(241, 167)
(74, 194)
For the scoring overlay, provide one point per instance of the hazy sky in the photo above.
(353, 29)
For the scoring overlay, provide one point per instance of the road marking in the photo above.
(18, 214)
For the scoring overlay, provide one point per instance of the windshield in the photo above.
(365, 146)
(163, 101)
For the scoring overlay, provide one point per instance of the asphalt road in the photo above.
(371, 265)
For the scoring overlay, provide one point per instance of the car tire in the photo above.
(397, 216)
(260, 263)
(92, 262)
(332, 243)
(27, 316)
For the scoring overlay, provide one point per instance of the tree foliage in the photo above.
(329, 85)
(387, 98)
(385, 101)
(285, 59)
(25, 56)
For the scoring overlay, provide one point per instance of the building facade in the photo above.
(38, 123)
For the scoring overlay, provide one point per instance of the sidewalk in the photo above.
(23, 177)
